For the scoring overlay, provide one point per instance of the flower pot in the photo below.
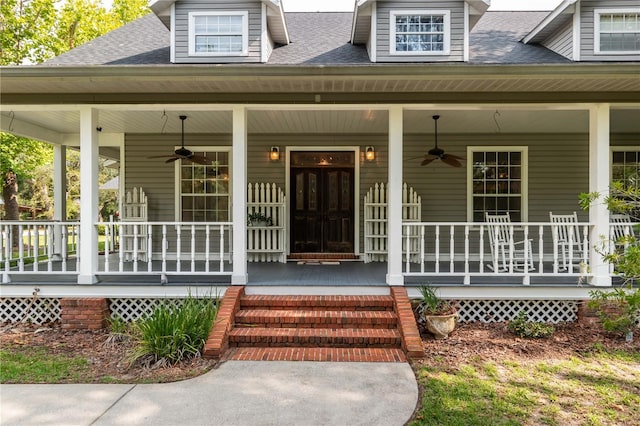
(441, 325)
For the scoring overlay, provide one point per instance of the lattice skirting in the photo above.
(43, 310)
(548, 311)
(40, 310)
(133, 309)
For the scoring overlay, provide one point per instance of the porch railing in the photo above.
(465, 250)
(38, 247)
(168, 248)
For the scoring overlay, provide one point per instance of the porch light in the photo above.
(370, 153)
(274, 153)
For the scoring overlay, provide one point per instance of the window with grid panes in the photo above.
(204, 190)
(220, 33)
(625, 168)
(497, 183)
(617, 31)
(420, 32)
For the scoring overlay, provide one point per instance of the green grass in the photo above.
(602, 388)
(36, 365)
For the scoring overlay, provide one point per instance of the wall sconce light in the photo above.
(369, 153)
(274, 153)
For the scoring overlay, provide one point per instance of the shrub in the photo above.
(521, 326)
(432, 304)
(617, 309)
(173, 333)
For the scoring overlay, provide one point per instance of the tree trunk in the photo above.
(10, 197)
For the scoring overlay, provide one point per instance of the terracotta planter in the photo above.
(441, 325)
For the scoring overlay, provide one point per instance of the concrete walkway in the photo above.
(236, 393)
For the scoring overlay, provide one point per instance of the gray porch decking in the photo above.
(293, 273)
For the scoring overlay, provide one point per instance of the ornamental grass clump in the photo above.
(173, 333)
(522, 327)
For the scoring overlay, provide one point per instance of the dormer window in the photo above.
(617, 31)
(420, 32)
(218, 33)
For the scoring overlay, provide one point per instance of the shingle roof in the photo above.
(316, 38)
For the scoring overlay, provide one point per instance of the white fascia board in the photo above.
(478, 7)
(566, 7)
(158, 6)
(31, 131)
(360, 5)
(276, 6)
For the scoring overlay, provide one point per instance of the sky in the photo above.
(347, 5)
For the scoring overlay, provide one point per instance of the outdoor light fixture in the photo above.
(370, 153)
(274, 153)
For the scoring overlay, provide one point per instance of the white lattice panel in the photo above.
(547, 311)
(134, 309)
(36, 311)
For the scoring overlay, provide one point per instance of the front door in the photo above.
(322, 204)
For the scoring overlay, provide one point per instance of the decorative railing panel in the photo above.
(266, 241)
(375, 221)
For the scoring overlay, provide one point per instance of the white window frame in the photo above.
(524, 177)
(245, 33)
(445, 13)
(178, 179)
(619, 148)
(596, 29)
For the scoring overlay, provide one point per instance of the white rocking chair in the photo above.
(568, 241)
(505, 252)
(621, 230)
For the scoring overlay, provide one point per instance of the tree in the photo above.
(26, 31)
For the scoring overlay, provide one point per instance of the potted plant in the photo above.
(258, 219)
(440, 316)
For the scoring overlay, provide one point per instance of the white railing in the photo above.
(166, 248)
(465, 250)
(38, 247)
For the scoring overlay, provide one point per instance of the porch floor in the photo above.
(321, 273)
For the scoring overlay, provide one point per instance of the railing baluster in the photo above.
(437, 249)
(193, 248)
(422, 250)
(107, 238)
(121, 251)
(526, 280)
(206, 248)
(48, 234)
(178, 246)
(149, 248)
(135, 248)
(541, 248)
(21, 250)
(221, 247)
(164, 249)
(481, 265)
(452, 248)
(467, 277)
(63, 246)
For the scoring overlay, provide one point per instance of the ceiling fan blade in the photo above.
(161, 156)
(172, 159)
(455, 157)
(449, 160)
(428, 159)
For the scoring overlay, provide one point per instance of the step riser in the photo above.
(294, 325)
(342, 342)
(318, 303)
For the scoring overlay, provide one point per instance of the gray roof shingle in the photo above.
(319, 38)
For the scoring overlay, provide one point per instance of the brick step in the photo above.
(337, 303)
(303, 337)
(317, 354)
(315, 319)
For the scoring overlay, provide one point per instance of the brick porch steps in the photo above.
(318, 354)
(315, 328)
(315, 337)
(303, 318)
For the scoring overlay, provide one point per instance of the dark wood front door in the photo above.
(322, 213)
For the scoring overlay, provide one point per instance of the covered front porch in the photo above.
(529, 160)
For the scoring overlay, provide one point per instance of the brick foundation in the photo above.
(84, 313)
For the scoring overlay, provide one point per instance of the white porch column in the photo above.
(59, 196)
(88, 196)
(239, 184)
(394, 218)
(599, 182)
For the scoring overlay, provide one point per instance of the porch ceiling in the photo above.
(499, 119)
